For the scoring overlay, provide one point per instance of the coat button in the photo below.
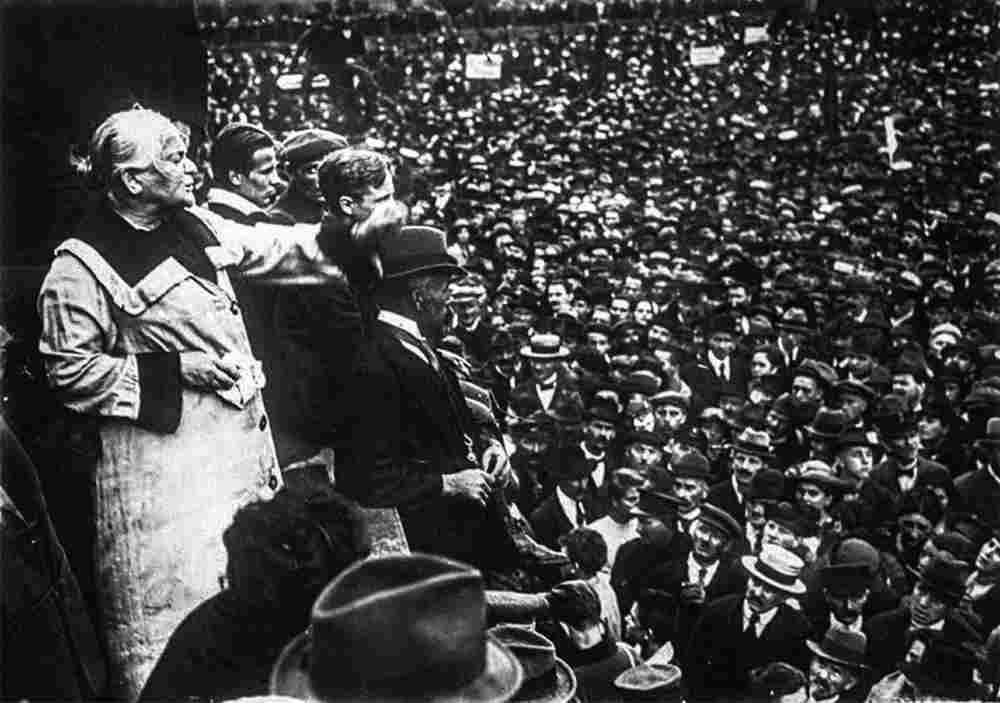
(235, 308)
(263, 423)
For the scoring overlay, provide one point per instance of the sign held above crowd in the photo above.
(483, 66)
(706, 55)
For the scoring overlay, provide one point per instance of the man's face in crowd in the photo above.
(260, 184)
(756, 511)
(532, 444)
(828, 679)
(911, 533)
(434, 313)
(959, 361)
(599, 342)
(361, 208)
(721, 344)
(777, 423)
(670, 417)
(690, 491)
(599, 434)
(543, 369)
(779, 534)
(643, 312)
(632, 287)
(658, 336)
(905, 385)
(620, 309)
(988, 559)
(574, 488)
(926, 607)
(643, 456)
(930, 429)
(745, 466)
(857, 461)
(858, 365)
(738, 297)
(621, 508)
(846, 608)
(854, 405)
(904, 448)
(762, 597)
(558, 296)
(761, 366)
(708, 542)
(468, 311)
(805, 390)
(581, 308)
(305, 180)
(506, 360)
(813, 496)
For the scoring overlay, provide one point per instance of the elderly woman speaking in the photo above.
(141, 329)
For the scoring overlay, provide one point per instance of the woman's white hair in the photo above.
(125, 140)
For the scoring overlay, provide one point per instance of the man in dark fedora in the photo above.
(933, 608)
(566, 508)
(741, 632)
(673, 595)
(691, 473)
(719, 367)
(980, 489)
(399, 628)
(412, 443)
(838, 670)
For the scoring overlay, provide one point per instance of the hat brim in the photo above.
(560, 690)
(501, 678)
(428, 268)
(819, 652)
(563, 353)
(750, 564)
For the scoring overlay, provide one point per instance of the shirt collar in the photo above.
(233, 200)
(764, 618)
(694, 566)
(856, 626)
(401, 321)
(568, 505)
(590, 455)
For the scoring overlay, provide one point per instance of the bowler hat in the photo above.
(417, 250)
(547, 678)
(827, 423)
(842, 646)
(992, 435)
(777, 567)
(755, 442)
(427, 615)
(766, 485)
(691, 464)
(846, 579)
(856, 438)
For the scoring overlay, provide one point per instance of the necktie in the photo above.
(581, 514)
(752, 623)
(702, 576)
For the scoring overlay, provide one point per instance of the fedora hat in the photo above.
(766, 485)
(777, 567)
(691, 464)
(842, 646)
(547, 678)
(399, 628)
(545, 346)
(416, 250)
(655, 504)
(720, 520)
(751, 441)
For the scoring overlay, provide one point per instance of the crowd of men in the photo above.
(736, 327)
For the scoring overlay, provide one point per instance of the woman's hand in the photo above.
(207, 372)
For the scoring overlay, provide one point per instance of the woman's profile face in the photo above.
(169, 180)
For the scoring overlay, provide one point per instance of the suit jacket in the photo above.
(720, 655)
(477, 342)
(524, 398)
(408, 427)
(980, 493)
(886, 474)
(723, 495)
(887, 632)
(549, 522)
(706, 385)
(671, 619)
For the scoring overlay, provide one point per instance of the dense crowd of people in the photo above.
(615, 378)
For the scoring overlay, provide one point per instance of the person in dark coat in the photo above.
(741, 632)
(281, 553)
(565, 509)
(980, 489)
(720, 367)
(49, 649)
(412, 443)
(551, 388)
(673, 596)
(750, 453)
(933, 607)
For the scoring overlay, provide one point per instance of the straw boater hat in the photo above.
(777, 567)
(545, 346)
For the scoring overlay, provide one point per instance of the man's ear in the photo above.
(346, 204)
(132, 184)
(235, 178)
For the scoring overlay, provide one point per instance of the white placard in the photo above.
(706, 55)
(755, 35)
(483, 66)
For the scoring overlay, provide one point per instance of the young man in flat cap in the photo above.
(302, 153)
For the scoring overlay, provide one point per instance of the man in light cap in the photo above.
(301, 153)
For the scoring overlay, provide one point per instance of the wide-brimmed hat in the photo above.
(777, 567)
(828, 423)
(399, 628)
(842, 646)
(417, 249)
(755, 442)
(545, 346)
(547, 678)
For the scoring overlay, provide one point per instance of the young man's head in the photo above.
(302, 153)
(623, 494)
(244, 161)
(354, 181)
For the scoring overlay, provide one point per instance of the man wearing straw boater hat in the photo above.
(413, 444)
(738, 633)
(549, 387)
